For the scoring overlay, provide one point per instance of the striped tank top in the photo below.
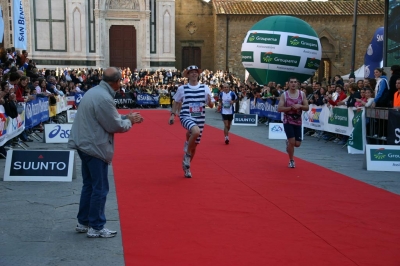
(293, 116)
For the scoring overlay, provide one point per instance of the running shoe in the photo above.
(186, 161)
(185, 147)
(291, 164)
(104, 233)
(188, 174)
(226, 140)
(81, 228)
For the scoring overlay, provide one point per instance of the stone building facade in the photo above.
(152, 34)
(76, 33)
(231, 20)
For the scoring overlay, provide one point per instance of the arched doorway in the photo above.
(123, 46)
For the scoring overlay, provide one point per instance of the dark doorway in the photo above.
(191, 56)
(324, 70)
(123, 46)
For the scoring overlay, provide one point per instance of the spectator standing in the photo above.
(392, 81)
(382, 93)
(396, 96)
(92, 134)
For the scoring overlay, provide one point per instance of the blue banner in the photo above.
(146, 99)
(374, 55)
(78, 98)
(20, 37)
(265, 108)
(36, 111)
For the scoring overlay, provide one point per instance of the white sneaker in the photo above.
(336, 140)
(105, 233)
(188, 174)
(185, 147)
(315, 135)
(80, 228)
(186, 161)
(226, 140)
(291, 164)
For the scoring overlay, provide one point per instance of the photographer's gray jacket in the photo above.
(96, 122)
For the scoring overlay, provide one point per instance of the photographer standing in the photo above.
(92, 134)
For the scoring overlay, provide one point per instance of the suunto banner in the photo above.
(245, 120)
(39, 165)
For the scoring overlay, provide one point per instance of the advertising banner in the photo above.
(393, 135)
(383, 158)
(332, 119)
(146, 99)
(36, 111)
(356, 142)
(245, 120)
(126, 99)
(71, 116)
(10, 127)
(57, 133)
(265, 108)
(78, 98)
(276, 131)
(20, 37)
(39, 165)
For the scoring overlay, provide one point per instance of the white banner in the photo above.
(71, 116)
(331, 119)
(276, 131)
(383, 158)
(57, 133)
(10, 127)
(1, 25)
(20, 37)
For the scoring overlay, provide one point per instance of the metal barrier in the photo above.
(376, 123)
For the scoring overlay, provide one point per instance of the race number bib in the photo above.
(226, 104)
(195, 109)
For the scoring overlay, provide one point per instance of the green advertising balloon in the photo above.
(279, 47)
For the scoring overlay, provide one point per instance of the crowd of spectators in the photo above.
(22, 81)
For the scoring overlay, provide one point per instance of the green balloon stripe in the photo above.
(263, 76)
(285, 24)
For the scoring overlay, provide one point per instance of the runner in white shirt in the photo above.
(227, 99)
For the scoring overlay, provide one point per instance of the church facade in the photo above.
(97, 33)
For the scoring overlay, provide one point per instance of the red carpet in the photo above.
(243, 206)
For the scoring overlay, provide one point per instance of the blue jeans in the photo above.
(94, 191)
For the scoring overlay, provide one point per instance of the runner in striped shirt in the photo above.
(193, 96)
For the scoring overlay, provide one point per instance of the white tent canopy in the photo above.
(359, 74)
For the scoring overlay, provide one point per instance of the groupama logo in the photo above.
(267, 57)
(312, 63)
(379, 155)
(294, 40)
(252, 36)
